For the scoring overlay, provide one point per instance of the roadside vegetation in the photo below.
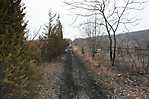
(121, 83)
(119, 61)
(21, 58)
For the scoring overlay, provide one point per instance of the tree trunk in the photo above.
(110, 48)
(114, 51)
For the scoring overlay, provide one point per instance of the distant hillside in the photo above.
(137, 35)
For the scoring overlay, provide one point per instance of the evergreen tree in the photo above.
(53, 38)
(12, 25)
(14, 59)
(59, 32)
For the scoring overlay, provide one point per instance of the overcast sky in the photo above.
(37, 15)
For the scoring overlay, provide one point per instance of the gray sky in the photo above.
(37, 15)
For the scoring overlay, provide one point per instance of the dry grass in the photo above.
(50, 74)
(116, 82)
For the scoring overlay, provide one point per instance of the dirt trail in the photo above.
(78, 82)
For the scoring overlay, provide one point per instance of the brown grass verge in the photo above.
(124, 86)
(50, 78)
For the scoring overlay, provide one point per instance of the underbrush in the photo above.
(50, 80)
(120, 84)
(19, 75)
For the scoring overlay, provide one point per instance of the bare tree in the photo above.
(87, 27)
(90, 29)
(112, 14)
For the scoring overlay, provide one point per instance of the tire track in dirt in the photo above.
(77, 82)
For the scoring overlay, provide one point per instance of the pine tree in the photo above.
(14, 59)
(54, 38)
(59, 32)
(12, 24)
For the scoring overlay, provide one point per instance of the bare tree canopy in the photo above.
(112, 15)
